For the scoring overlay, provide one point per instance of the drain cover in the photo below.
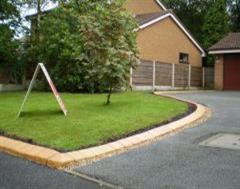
(223, 140)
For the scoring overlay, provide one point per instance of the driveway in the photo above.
(179, 162)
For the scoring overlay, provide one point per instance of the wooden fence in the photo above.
(156, 75)
(3, 77)
(209, 77)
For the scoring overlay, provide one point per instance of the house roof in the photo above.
(229, 44)
(146, 20)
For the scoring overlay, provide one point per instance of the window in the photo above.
(183, 58)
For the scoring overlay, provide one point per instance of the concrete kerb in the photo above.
(59, 160)
(187, 91)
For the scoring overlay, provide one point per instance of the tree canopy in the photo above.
(208, 20)
(89, 46)
(191, 13)
(9, 24)
(216, 23)
(234, 8)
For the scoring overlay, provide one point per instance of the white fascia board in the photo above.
(154, 21)
(224, 51)
(180, 26)
(161, 5)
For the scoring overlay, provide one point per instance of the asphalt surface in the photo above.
(179, 162)
(16, 173)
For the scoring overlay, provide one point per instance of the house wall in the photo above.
(164, 41)
(142, 6)
(218, 79)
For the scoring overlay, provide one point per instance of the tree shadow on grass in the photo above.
(41, 113)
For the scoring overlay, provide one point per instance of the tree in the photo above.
(9, 13)
(191, 13)
(89, 45)
(216, 23)
(9, 23)
(39, 7)
(234, 7)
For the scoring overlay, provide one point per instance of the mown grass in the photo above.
(89, 122)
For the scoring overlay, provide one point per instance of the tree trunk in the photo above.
(36, 38)
(109, 95)
(39, 12)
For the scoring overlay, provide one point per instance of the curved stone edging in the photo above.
(55, 159)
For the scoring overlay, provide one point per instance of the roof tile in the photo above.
(232, 41)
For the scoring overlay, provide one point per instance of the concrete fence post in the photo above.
(131, 77)
(189, 76)
(154, 76)
(173, 75)
(203, 77)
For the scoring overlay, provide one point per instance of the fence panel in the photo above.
(3, 77)
(143, 74)
(181, 75)
(196, 76)
(163, 74)
(209, 77)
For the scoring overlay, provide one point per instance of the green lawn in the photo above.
(89, 122)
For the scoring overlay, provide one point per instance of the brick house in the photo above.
(171, 56)
(227, 62)
(162, 36)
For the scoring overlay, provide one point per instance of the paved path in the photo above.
(178, 162)
(16, 173)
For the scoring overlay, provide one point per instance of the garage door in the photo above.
(232, 72)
